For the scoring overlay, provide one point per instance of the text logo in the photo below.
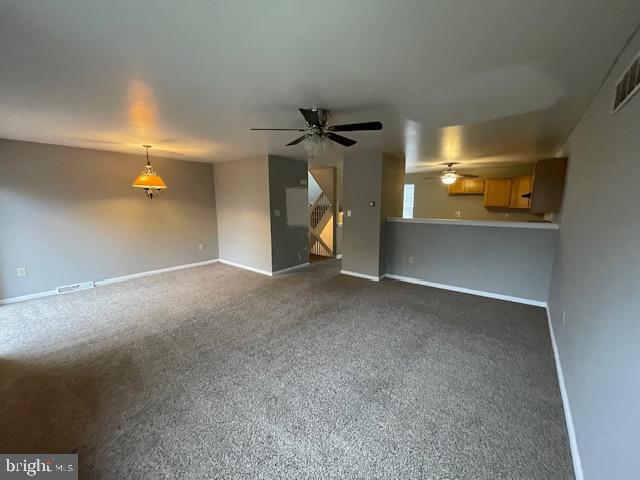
(45, 467)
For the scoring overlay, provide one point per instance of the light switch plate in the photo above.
(21, 271)
(276, 213)
(348, 213)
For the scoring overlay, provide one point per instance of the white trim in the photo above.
(289, 269)
(245, 267)
(124, 278)
(568, 417)
(477, 223)
(499, 296)
(108, 281)
(338, 256)
(31, 296)
(373, 278)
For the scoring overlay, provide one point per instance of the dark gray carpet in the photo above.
(216, 372)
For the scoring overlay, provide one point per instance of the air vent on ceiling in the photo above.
(628, 84)
(76, 287)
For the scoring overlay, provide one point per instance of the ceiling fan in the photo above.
(450, 176)
(318, 131)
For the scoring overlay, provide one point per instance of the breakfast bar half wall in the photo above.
(506, 260)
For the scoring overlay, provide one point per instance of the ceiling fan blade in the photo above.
(347, 142)
(466, 175)
(297, 140)
(353, 127)
(431, 178)
(281, 129)
(311, 116)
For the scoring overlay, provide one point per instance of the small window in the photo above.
(407, 204)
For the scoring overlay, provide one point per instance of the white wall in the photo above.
(596, 283)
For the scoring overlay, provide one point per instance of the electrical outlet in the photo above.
(21, 271)
(411, 259)
(200, 247)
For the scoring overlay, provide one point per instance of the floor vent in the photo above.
(628, 84)
(76, 287)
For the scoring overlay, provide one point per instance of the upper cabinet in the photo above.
(548, 184)
(539, 193)
(467, 186)
(520, 191)
(508, 192)
(497, 192)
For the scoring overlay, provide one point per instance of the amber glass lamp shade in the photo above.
(149, 179)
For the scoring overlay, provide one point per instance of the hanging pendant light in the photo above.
(149, 179)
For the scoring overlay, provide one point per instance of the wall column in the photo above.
(373, 189)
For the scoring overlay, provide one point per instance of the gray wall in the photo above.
(507, 261)
(361, 232)
(289, 242)
(242, 202)
(432, 199)
(70, 215)
(369, 177)
(596, 281)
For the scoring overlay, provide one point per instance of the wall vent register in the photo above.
(76, 287)
(628, 85)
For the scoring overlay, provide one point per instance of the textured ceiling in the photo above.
(473, 81)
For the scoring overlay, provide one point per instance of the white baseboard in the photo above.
(108, 281)
(290, 269)
(245, 267)
(24, 298)
(124, 278)
(498, 296)
(339, 256)
(373, 278)
(568, 417)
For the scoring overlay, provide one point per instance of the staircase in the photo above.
(318, 210)
(320, 213)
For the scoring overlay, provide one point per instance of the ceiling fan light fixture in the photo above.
(449, 178)
(318, 135)
(148, 179)
(315, 144)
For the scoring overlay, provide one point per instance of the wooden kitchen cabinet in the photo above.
(456, 188)
(520, 186)
(467, 186)
(497, 192)
(473, 186)
(548, 184)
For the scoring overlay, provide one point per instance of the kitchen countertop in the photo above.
(477, 223)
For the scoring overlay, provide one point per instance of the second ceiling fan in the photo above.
(449, 176)
(317, 128)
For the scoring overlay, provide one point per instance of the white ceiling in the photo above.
(475, 81)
